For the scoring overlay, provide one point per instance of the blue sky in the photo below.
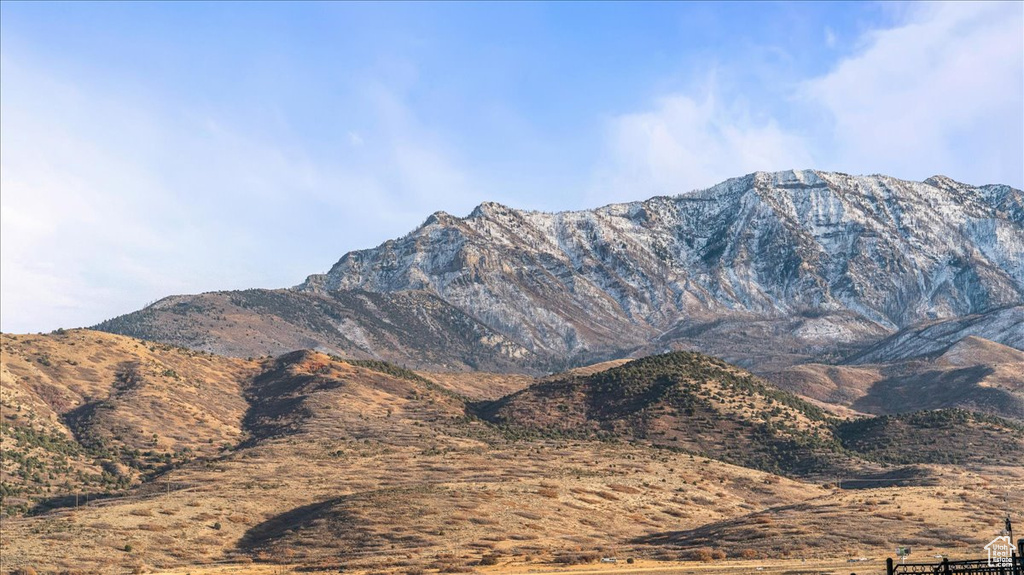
(150, 149)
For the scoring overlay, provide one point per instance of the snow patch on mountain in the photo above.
(888, 251)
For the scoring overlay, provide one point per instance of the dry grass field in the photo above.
(308, 462)
(94, 413)
(662, 567)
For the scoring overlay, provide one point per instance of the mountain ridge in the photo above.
(826, 263)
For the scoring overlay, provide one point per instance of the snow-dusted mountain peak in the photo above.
(489, 209)
(882, 252)
(767, 269)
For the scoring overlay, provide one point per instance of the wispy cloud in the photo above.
(109, 202)
(830, 37)
(124, 181)
(941, 92)
(686, 142)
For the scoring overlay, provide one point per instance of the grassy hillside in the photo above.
(956, 516)
(96, 413)
(684, 401)
(316, 461)
(952, 436)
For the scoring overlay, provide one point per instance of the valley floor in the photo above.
(369, 514)
(873, 566)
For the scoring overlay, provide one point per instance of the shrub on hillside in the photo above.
(576, 558)
(491, 559)
(702, 554)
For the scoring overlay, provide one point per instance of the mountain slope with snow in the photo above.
(802, 264)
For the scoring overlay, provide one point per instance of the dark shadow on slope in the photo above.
(901, 477)
(262, 536)
(330, 530)
(944, 436)
(939, 389)
(736, 532)
(276, 398)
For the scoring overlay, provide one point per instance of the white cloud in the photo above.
(830, 37)
(941, 93)
(110, 201)
(684, 143)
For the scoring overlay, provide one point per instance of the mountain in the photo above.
(315, 446)
(933, 338)
(414, 328)
(770, 269)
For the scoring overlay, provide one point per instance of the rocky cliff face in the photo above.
(876, 249)
(823, 262)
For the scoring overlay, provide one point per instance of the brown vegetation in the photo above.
(338, 464)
